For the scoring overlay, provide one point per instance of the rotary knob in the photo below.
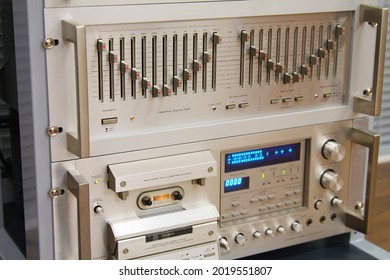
(331, 180)
(256, 234)
(176, 195)
(240, 239)
(147, 201)
(333, 151)
(296, 226)
(223, 243)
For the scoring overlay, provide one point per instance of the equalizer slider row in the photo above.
(295, 53)
(160, 65)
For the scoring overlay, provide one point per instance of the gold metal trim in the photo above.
(79, 187)
(76, 34)
(376, 17)
(370, 140)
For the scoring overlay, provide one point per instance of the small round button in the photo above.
(256, 234)
(318, 204)
(98, 210)
(336, 202)
(280, 229)
(268, 232)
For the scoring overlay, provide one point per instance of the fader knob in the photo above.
(331, 180)
(240, 239)
(296, 226)
(333, 151)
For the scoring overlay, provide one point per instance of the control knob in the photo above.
(331, 180)
(240, 239)
(98, 209)
(223, 243)
(269, 232)
(333, 151)
(146, 201)
(336, 202)
(280, 229)
(256, 234)
(176, 195)
(318, 204)
(296, 226)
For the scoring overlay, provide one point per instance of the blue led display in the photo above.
(262, 157)
(236, 184)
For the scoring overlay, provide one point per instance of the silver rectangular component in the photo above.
(243, 105)
(155, 234)
(230, 106)
(108, 121)
(160, 171)
(209, 251)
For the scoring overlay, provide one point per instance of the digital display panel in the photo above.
(236, 184)
(262, 157)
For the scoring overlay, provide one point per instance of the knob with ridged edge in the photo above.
(331, 180)
(334, 151)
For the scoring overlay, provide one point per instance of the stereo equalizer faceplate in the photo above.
(137, 79)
